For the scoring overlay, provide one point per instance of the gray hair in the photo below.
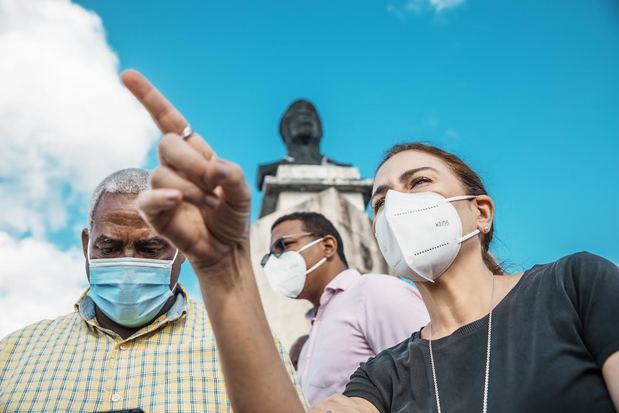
(126, 181)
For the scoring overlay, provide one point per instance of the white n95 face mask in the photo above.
(419, 234)
(287, 273)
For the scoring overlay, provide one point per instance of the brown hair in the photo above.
(469, 179)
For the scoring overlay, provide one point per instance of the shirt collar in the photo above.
(85, 307)
(341, 282)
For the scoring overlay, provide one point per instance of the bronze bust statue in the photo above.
(301, 131)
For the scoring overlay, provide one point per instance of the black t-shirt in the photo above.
(550, 337)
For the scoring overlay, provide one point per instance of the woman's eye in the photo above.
(419, 180)
(378, 205)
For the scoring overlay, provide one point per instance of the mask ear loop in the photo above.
(310, 244)
(88, 251)
(462, 198)
(172, 264)
(174, 257)
(467, 236)
(319, 263)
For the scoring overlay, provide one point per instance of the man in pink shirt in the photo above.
(354, 317)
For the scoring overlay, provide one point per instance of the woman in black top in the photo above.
(543, 341)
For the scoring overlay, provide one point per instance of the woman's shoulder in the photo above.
(571, 272)
(574, 264)
(396, 355)
(376, 379)
(584, 258)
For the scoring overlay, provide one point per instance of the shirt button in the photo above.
(115, 397)
(123, 347)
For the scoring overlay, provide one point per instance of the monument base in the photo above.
(294, 184)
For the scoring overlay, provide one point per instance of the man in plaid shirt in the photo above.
(135, 339)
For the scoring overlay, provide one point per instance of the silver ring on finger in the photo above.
(187, 132)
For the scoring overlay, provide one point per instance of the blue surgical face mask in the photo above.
(130, 291)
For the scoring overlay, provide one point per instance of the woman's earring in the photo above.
(486, 229)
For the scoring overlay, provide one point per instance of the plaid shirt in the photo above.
(72, 364)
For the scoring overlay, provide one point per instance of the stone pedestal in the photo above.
(334, 191)
(295, 184)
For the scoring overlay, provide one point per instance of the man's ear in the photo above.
(85, 239)
(329, 246)
(485, 213)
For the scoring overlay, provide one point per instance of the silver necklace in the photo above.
(487, 378)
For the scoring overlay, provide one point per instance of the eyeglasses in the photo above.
(279, 246)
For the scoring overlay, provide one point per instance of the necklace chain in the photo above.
(487, 372)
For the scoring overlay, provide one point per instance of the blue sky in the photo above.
(527, 92)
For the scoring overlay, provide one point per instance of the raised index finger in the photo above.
(165, 115)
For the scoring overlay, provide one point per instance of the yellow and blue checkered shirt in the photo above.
(72, 364)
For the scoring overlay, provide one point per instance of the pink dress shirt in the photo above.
(358, 317)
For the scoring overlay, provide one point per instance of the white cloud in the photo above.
(65, 123)
(65, 119)
(417, 7)
(37, 281)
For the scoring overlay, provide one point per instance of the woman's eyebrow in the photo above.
(380, 190)
(403, 178)
(406, 175)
